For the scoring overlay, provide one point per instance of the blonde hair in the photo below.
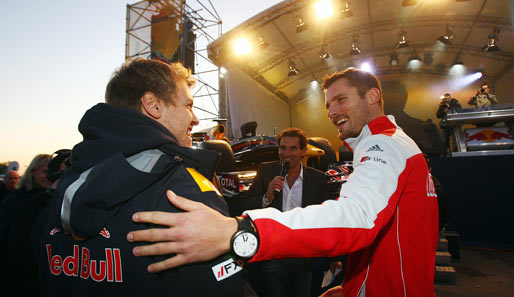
(26, 180)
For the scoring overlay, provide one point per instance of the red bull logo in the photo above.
(81, 265)
(488, 135)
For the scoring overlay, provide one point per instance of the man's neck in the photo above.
(293, 173)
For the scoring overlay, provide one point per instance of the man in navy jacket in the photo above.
(135, 147)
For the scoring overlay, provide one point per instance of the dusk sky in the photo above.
(57, 59)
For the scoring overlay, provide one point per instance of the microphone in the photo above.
(283, 172)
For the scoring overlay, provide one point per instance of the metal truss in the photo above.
(205, 24)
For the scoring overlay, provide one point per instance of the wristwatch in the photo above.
(245, 242)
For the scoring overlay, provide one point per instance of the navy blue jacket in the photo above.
(125, 164)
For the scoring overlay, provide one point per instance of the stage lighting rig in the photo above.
(402, 40)
(292, 69)
(447, 37)
(346, 12)
(355, 50)
(299, 23)
(492, 41)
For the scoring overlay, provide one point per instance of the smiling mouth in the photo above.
(340, 121)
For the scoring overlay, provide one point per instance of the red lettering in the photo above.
(117, 263)
(108, 256)
(85, 268)
(72, 261)
(53, 262)
(97, 276)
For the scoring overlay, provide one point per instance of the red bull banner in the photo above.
(166, 28)
(489, 137)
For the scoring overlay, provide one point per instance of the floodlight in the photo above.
(447, 37)
(299, 23)
(262, 43)
(393, 59)
(414, 57)
(457, 61)
(323, 8)
(346, 12)
(292, 69)
(492, 40)
(355, 50)
(323, 54)
(242, 46)
(402, 40)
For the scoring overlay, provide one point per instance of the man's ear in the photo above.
(373, 96)
(150, 105)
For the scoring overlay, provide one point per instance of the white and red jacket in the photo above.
(386, 219)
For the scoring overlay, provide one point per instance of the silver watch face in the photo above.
(245, 244)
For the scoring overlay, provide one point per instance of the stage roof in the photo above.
(376, 24)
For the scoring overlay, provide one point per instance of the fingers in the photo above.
(183, 203)
(169, 263)
(152, 235)
(156, 217)
(161, 248)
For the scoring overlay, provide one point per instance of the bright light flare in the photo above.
(323, 8)
(242, 46)
(366, 67)
(465, 80)
(414, 65)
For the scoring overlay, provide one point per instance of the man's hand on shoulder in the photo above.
(198, 234)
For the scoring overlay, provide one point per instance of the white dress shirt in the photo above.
(291, 197)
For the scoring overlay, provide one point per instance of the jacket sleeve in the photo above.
(367, 202)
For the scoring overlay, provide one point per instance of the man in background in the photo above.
(285, 188)
(10, 180)
(447, 105)
(483, 98)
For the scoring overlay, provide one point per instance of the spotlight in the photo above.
(242, 46)
(355, 50)
(393, 59)
(323, 8)
(323, 54)
(299, 23)
(346, 12)
(262, 44)
(428, 58)
(223, 70)
(447, 37)
(457, 61)
(492, 40)
(409, 3)
(402, 40)
(366, 67)
(292, 69)
(414, 57)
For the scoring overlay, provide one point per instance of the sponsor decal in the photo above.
(375, 148)
(230, 182)
(202, 182)
(376, 159)
(225, 269)
(430, 186)
(105, 233)
(55, 230)
(81, 265)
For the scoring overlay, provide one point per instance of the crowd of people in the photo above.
(110, 218)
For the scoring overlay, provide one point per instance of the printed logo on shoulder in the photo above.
(375, 148)
(225, 269)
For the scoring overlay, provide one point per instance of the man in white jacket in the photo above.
(385, 218)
